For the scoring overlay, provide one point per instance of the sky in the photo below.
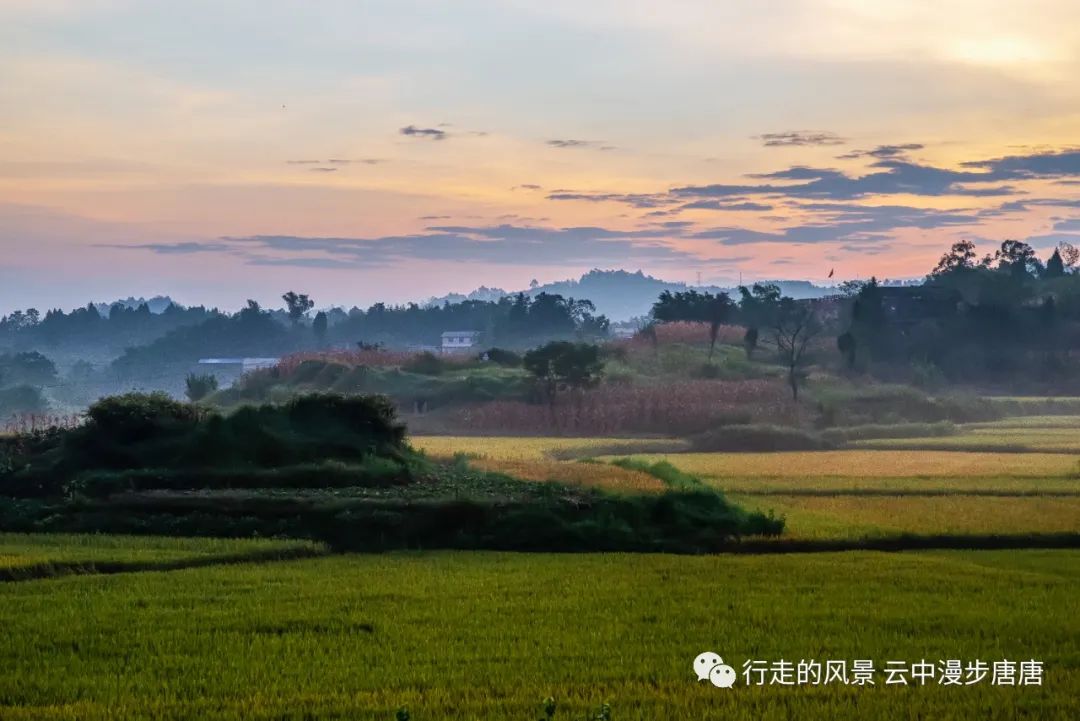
(392, 150)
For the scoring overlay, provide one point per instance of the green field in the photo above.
(112, 627)
(25, 556)
(487, 636)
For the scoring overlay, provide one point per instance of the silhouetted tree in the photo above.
(297, 305)
(562, 365)
(199, 386)
(959, 258)
(1017, 258)
(693, 306)
(1070, 255)
(750, 341)
(757, 309)
(795, 327)
(319, 327)
(845, 343)
(1055, 267)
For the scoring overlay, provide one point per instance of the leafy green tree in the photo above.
(562, 365)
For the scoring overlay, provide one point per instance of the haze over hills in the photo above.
(622, 295)
(619, 294)
(157, 304)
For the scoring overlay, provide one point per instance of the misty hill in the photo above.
(622, 295)
(157, 304)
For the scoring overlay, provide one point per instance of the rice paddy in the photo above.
(19, 549)
(224, 630)
(488, 635)
(1014, 439)
(523, 448)
(871, 464)
(863, 516)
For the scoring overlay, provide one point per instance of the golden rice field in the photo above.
(866, 464)
(841, 494)
(518, 448)
(591, 475)
(1031, 422)
(855, 516)
(1047, 440)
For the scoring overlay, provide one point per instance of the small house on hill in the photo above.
(460, 341)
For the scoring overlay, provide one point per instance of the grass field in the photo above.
(487, 636)
(37, 555)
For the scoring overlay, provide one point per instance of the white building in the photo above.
(460, 341)
(245, 364)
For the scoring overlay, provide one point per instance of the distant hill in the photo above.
(157, 304)
(622, 295)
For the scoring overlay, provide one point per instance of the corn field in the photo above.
(674, 408)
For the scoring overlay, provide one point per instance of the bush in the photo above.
(899, 430)
(199, 387)
(427, 364)
(758, 438)
(893, 404)
(503, 357)
(135, 417)
(374, 472)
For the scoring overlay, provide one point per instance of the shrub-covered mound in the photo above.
(329, 468)
(138, 441)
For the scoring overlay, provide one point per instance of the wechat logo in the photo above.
(710, 666)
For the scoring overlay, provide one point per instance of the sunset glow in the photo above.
(398, 150)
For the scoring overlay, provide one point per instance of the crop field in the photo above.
(488, 636)
(133, 627)
(1021, 422)
(52, 553)
(600, 475)
(527, 448)
(871, 464)
(858, 516)
(1016, 439)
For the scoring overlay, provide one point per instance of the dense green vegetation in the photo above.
(433, 383)
(490, 636)
(148, 464)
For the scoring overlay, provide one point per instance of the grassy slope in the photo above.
(486, 636)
